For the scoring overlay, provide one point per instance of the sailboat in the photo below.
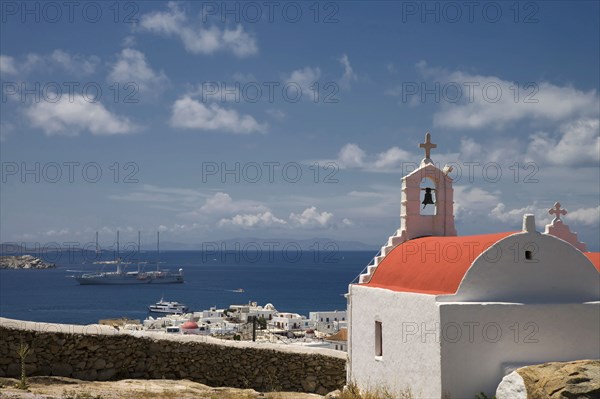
(120, 276)
(163, 276)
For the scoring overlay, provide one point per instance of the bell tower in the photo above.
(426, 208)
(414, 221)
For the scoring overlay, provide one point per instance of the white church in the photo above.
(444, 315)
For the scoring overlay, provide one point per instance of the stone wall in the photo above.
(103, 353)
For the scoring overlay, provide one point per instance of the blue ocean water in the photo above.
(301, 283)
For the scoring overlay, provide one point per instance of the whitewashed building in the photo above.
(339, 340)
(289, 322)
(329, 322)
(442, 314)
(252, 309)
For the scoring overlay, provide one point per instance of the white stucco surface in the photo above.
(485, 337)
(410, 358)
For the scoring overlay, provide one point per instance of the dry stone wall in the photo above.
(102, 353)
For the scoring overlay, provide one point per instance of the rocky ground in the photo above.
(68, 388)
(23, 262)
(558, 380)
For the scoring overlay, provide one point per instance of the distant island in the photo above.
(23, 262)
(243, 243)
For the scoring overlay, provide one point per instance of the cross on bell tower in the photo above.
(558, 229)
(557, 211)
(427, 145)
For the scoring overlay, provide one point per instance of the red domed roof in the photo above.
(189, 325)
(431, 265)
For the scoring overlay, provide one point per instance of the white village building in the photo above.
(252, 309)
(289, 322)
(329, 322)
(442, 314)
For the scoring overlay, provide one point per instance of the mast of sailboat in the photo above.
(157, 250)
(139, 253)
(97, 247)
(118, 257)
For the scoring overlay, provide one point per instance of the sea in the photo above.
(297, 281)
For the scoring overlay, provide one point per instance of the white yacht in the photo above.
(163, 306)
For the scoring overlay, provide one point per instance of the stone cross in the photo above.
(427, 145)
(556, 211)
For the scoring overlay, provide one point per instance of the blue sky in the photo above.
(161, 98)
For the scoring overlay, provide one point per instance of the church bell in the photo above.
(428, 199)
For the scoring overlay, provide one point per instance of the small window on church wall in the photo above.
(428, 197)
(378, 339)
(528, 255)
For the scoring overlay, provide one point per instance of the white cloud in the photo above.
(57, 233)
(502, 151)
(576, 143)
(241, 43)
(515, 216)
(579, 144)
(311, 218)
(222, 203)
(129, 41)
(197, 39)
(131, 66)
(216, 91)
(303, 79)
(584, 216)
(472, 201)
(188, 113)
(492, 102)
(266, 219)
(349, 76)
(76, 64)
(7, 65)
(392, 158)
(70, 118)
(351, 156)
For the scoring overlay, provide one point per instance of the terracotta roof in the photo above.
(594, 257)
(341, 335)
(431, 265)
(436, 265)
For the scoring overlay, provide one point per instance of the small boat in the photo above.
(163, 306)
(239, 290)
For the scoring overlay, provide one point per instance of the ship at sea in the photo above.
(165, 307)
(120, 276)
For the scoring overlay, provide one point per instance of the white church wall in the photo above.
(410, 359)
(480, 340)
